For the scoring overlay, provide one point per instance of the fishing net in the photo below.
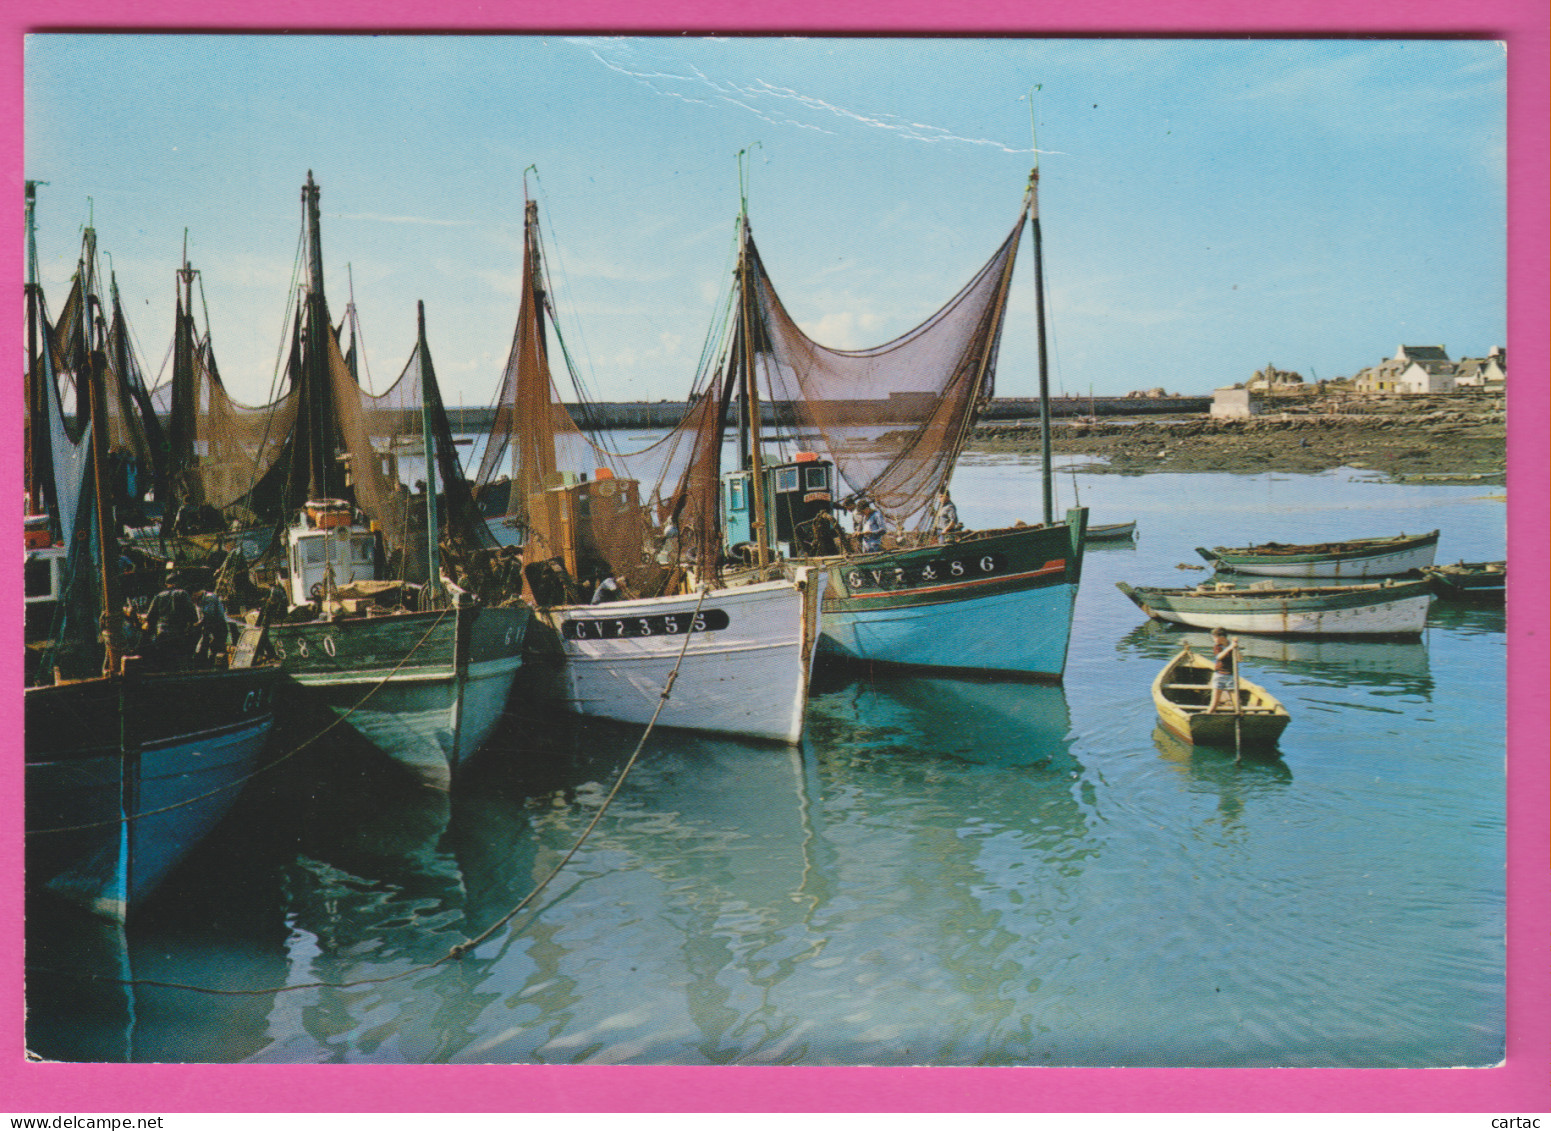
(545, 483)
(893, 418)
(383, 448)
(218, 447)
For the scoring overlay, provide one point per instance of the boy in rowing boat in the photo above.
(1223, 655)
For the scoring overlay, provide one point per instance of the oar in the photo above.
(1238, 708)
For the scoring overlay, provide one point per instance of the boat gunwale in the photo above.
(1355, 549)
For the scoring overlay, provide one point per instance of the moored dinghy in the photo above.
(1358, 557)
(1469, 581)
(1386, 609)
(1182, 693)
(1110, 532)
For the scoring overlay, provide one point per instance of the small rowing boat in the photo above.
(1469, 581)
(1389, 608)
(1358, 557)
(1110, 532)
(1182, 692)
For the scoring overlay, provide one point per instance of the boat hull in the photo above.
(1486, 582)
(1111, 532)
(1358, 610)
(1000, 601)
(1379, 557)
(745, 670)
(425, 688)
(120, 788)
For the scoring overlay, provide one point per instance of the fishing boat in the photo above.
(53, 454)
(1359, 557)
(1386, 663)
(221, 480)
(127, 767)
(993, 600)
(1182, 693)
(1469, 581)
(1110, 532)
(1388, 608)
(361, 614)
(628, 591)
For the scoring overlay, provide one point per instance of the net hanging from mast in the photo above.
(219, 447)
(893, 418)
(536, 448)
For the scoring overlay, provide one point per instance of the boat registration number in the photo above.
(662, 624)
(934, 572)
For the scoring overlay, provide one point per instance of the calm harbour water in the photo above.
(947, 872)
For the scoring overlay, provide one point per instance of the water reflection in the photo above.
(1233, 782)
(988, 722)
(89, 991)
(1398, 667)
(1110, 546)
(1467, 618)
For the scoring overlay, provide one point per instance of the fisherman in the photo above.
(824, 535)
(1224, 654)
(213, 630)
(668, 547)
(170, 623)
(869, 524)
(947, 516)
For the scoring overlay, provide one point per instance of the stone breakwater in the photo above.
(1437, 439)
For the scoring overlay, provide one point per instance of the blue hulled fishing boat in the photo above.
(129, 763)
(914, 588)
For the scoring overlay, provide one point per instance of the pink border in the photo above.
(1519, 1086)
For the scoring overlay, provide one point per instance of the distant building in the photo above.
(1482, 372)
(1234, 401)
(1413, 369)
(1273, 378)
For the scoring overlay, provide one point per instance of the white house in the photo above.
(1413, 369)
(1483, 372)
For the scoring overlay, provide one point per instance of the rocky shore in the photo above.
(1442, 439)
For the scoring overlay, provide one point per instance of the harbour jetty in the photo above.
(667, 414)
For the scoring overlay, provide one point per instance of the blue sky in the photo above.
(1207, 206)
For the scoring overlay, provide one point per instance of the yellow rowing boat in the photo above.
(1183, 691)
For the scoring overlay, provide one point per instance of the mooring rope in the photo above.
(338, 720)
(458, 950)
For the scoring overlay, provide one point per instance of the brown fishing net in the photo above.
(893, 418)
(570, 500)
(219, 448)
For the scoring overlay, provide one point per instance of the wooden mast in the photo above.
(1047, 484)
(107, 538)
(317, 366)
(428, 447)
(750, 383)
(36, 418)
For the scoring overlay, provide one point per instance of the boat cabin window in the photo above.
(314, 550)
(735, 495)
(786, 479)
(817, 478)
(361, 549)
